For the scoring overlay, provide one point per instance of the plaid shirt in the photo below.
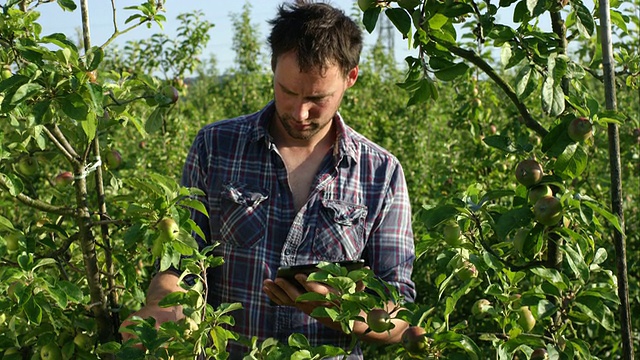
(358, 207)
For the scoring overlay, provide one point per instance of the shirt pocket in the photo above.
(340, 231)
(243, 214)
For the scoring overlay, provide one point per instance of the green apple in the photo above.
(113, 159)
(6, 73)
(415, 341)
(170, 94)
(27, 166)
(537, 192)
(526, 319)
(481, 308)
(379, 320)
(467, 272)
(529, 172)
(451, 234)
(580, 129)
(50, 352)
(548, 211)
(168, 228)
(83, 342)
(12, 240)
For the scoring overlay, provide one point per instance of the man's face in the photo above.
(307, 101)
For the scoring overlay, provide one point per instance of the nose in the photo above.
(301, 111)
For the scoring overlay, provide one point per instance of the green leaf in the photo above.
(174, 298)
(67, 5)
(535, 7)
(155, 120)
(553, 276)
(437, 215)
(94, 57)
(194, 204)
(604, 292)
(572, 162)
(74, 106)
(13, 183)
(505, 54)
(501, 142)
(554, 143)
(33, 311)
(90, 126)
(600, 256)
(25, 92)
(576, 262)
(613, 219)
(618, 20)
(73, 292)
(456, 9)
(59, 296)
(596, 310)
(513, 219)
(400, 19)
(552, 97)
(299, 341)
(585, 21)
(437, 21)
(452, 72)
(44, 262)
(370, 18)
(5, 223)
(426, 91)
(527, 81)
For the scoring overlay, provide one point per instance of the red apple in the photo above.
(113, 159)
(63, 179)
(580, 129)
(529, 172)
(415, 341)
(548, 211)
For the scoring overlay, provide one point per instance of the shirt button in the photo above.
(287, 252)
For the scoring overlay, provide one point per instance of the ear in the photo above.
(352, 76)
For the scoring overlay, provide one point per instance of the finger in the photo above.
(313, 286)
(276, 293)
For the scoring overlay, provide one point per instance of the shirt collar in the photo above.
(345, 147)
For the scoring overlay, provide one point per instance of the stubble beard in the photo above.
(300, 135)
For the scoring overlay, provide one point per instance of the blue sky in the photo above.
(218, 12)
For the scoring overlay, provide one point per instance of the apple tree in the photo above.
(542, 266)
(74, 211)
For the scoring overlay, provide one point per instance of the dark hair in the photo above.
(318, 33)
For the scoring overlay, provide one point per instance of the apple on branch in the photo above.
(580, 129)
(379, 320)
(529, 172)
(415, 341)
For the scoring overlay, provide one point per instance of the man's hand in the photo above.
(283, 292)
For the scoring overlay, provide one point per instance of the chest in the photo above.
(302, 170)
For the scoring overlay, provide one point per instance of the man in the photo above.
(293, 184)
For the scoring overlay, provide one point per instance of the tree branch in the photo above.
(473, 58)
(37, 204)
